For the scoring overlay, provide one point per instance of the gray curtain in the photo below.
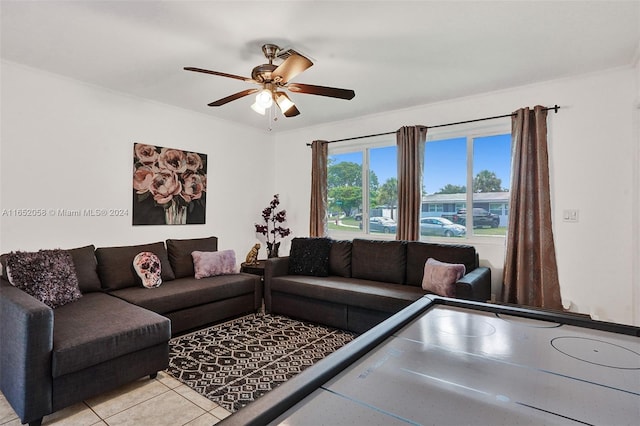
(318, 218)
(410, 141)
(530, 269)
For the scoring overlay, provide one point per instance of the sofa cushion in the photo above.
(212, 263)
(418, 253)
(84, 260)
(110, 328)
(189, 292)
(309, 256)
(47, 275)
(115, 265)
(440, 277)
(367, 294)
(179, 252)
(379, 260)
(340, 258)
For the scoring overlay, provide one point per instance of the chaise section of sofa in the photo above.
(367, 281)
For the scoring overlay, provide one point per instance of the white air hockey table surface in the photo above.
(448, 362)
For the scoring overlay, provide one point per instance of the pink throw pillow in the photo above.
(440, 277)
(212, 263)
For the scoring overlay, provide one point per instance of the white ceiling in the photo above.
(394, 54)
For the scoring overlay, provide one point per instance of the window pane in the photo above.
(383, 190)
(344, 187)
(444, 187)
(491, 182)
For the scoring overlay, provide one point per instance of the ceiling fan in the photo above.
(274, 78)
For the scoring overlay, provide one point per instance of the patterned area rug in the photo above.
(236, 362)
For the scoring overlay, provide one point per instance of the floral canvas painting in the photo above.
(169, 186)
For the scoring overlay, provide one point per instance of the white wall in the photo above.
(592, 147)
(68, 145)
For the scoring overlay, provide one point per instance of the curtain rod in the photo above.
(555, 109)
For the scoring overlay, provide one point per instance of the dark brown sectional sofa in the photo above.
(367, 281)
(118, 331)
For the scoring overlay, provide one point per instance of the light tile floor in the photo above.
(161, 401)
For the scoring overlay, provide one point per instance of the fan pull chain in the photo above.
(271, 117)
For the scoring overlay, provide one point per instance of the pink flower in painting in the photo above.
(164, 186)
(194, 162)
(193, 187)
(173, 160)
(146, 154)
(142, 178)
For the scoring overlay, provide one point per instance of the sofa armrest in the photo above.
(476, 285)
(274, 267)
(26, 333)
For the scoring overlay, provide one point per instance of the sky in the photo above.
(445, 161)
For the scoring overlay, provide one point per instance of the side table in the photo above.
(257, 269)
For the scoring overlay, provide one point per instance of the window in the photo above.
(461, 169)
(471, 169)
(348, 204)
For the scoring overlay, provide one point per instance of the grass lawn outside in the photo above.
(345, 224)
(500, 231)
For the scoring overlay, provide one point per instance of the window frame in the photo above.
(470, 131)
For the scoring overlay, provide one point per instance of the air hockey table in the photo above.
(450, 362)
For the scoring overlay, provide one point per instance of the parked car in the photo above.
(381, 224)
(439, 226)
(481, 217)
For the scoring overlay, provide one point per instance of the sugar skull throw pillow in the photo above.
(147, 266)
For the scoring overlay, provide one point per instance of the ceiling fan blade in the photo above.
(291, 67)
(233, 97)
(222, 74)
(286, 105)
(332, 92)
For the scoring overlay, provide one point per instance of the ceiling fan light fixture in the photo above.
(284, 103)
(264, 99)
(257, 108)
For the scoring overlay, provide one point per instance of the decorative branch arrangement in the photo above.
(273, 228)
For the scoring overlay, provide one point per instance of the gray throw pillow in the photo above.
(47, 275)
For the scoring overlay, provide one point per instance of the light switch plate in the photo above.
(570, 215)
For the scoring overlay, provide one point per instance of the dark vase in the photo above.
(272, 249)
